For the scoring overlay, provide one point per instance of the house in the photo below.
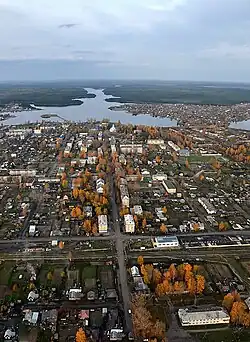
(31, 317)
(135, 271)
(32, 230)
(92, 160)
(116, 334)
(112, 129)
(124, 195)
(100, 186)
(129, 223)
(32, 296)
(165, 242)
(88, 210)
(138, 210)
(139, 284)
(207, 205)
(122, 159)
(102, 224)
(192, 317)
(184, 152)
(75, 294)
(10, 334)
(169, 187)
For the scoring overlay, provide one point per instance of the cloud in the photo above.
(67, 25)
(155, 38)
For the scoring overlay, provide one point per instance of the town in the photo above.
(114, 232)
(189, 114)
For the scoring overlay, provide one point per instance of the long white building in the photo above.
(191, 317)
(207, 205)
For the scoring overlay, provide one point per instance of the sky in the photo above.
(200, 40)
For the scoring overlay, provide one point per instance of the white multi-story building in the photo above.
(27, 173)
(131, 148)
(210, 209)
(166, 242)
(190, 317)
(129, 223)
(175, 147)
(102, 224)
(155, 142)
(169, 187)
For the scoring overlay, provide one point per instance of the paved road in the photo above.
(123, 237)
(121, 259)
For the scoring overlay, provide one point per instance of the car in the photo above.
(129, 311)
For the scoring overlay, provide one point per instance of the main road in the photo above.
(113, 236)
(120, 248)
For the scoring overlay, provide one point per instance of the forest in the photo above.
(188, 93)
(51, 95)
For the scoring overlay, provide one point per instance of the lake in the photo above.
(94, 108)
(241, 125)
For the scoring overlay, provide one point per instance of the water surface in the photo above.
(94, 108)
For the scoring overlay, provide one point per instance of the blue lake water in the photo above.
(95, 108)
(241, 125)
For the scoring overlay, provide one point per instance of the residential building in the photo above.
(159, 177)
(166, 242)
(192, 317)
(169, 187)
(102, 224)
(131, 148)
(75, 294)
(129, 223)
(175, 147)
(100, 186)
(184, 152)
(155, 142)
(26, 173)
(124, 195)
(207, 205)
(138, 210)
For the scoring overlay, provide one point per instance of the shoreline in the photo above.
(190, 114)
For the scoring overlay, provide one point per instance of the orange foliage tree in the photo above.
(80, 335)
(140, 260)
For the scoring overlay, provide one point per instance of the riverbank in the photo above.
(190, 114)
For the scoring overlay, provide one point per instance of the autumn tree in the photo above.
(163, 228)
(200, 283)
(228, 301)
(158, 159)
(144, 223)
(80, 335)
(75, 193)
(187, 164)
(157, 276)
(61, 244)
(173, 272)
(164, 210)
(140, 260)
(237, 312)
(73, 213)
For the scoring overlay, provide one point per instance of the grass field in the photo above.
(5, 272)
(228, 335)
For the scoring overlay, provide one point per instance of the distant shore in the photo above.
(191, 114)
